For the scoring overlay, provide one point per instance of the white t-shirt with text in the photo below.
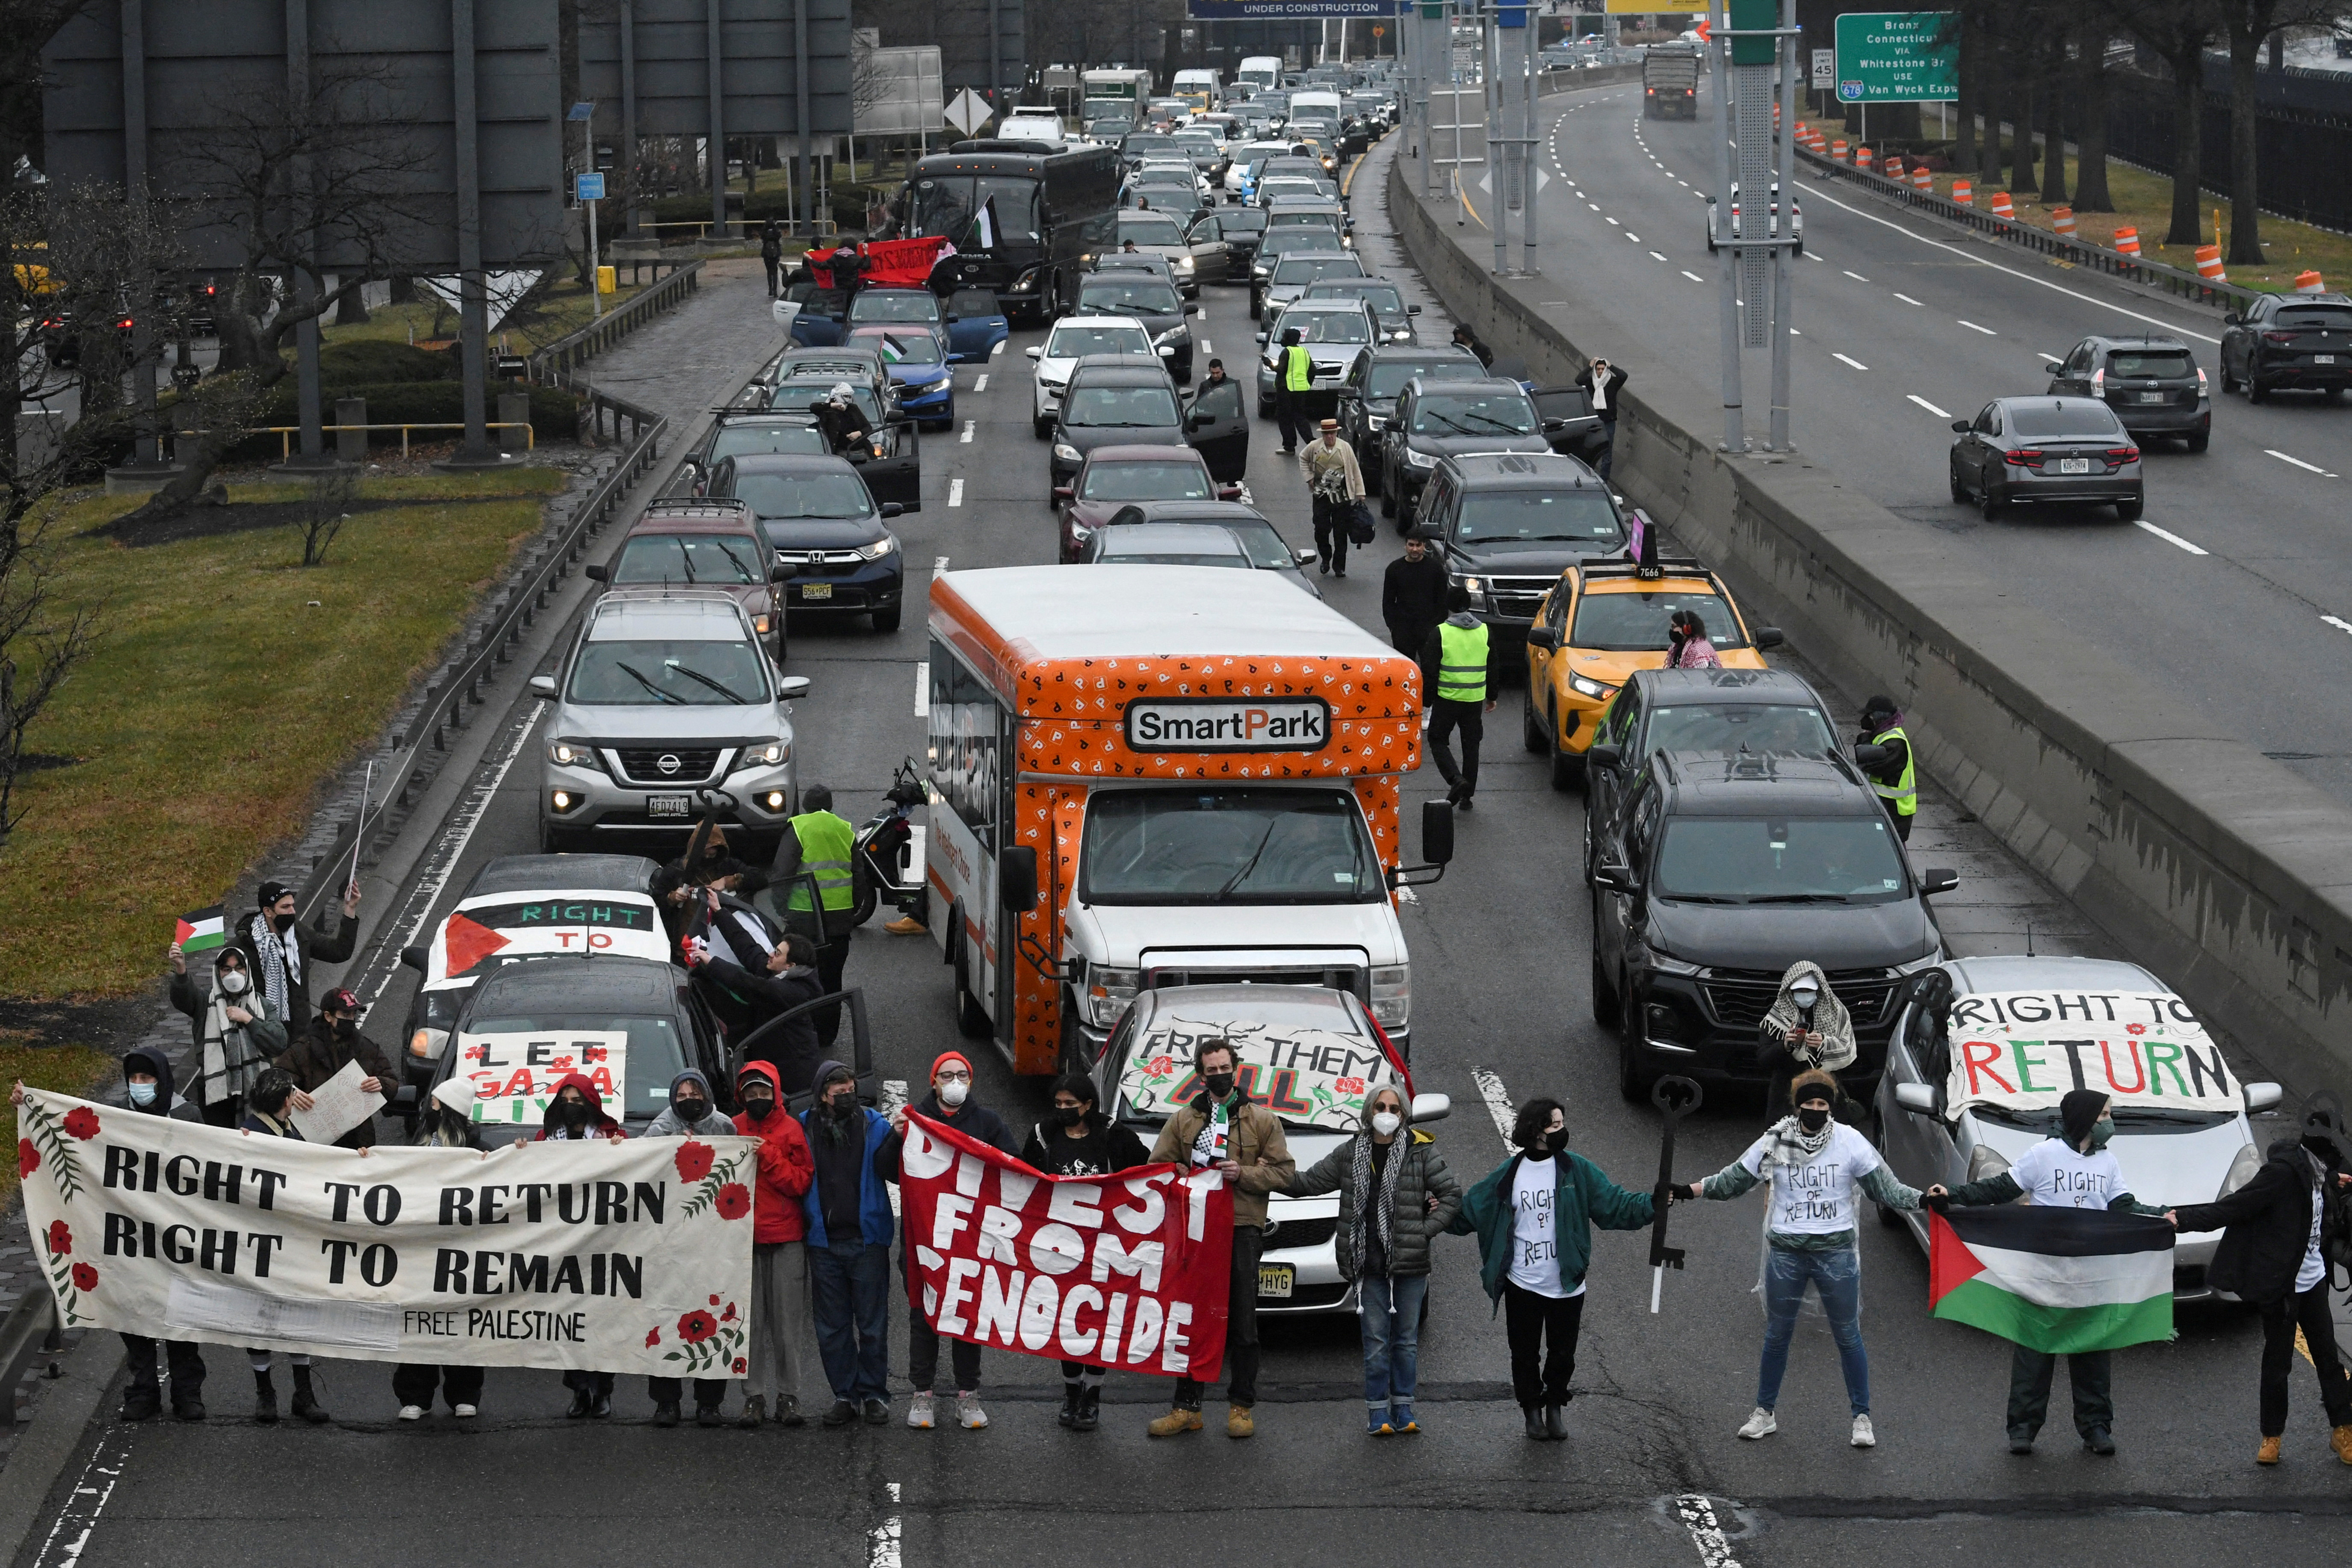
(2055, 1174)
(1535, 1230)
(1816, 1198)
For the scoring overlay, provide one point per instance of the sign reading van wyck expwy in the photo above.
(1182, 724)
(1898, 57)
(624, 1256)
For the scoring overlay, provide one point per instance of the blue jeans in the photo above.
(1390, 1316)
(851, 1283)
(1837, 1277)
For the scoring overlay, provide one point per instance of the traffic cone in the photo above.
(2310, 283)
(1861, 157)
(1923, 182)
(2127, 242)
(1964, 192)
(2209, 264)
(2062, 219)
(2001, 208)
(1837, 151)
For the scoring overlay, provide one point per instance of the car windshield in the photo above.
(1303, 217)
(1232, 221)
(1504, 412)
(903, 345)
(2147, 362)
(1785, 860)
(653, 1058)
(2047, 422)
(804, 495)
(1635, 621)
(1388, 376)
(2314, 318)
(790, 440)
(629, 672)
(1136, 291)
(1213, 552)
(728, 561)
(1228, 846)
(1266, 550)
(1131, 408)
(1529, 517)
(1146, 481)
(946, 204)
(1295, 269)
(803, 397)
(1145, 229)
(1314, 1078)
(1328, 326)
(894, 305)
(1382, 297)
(1077, 342)
(1780, 728)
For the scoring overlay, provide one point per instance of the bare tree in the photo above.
(325, 507)
(2180, 32)
(2249, 25)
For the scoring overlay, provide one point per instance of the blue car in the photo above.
(976, 325)
(916, 358)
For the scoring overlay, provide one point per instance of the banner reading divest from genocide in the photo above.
(1126, 1271)
(611, 1256)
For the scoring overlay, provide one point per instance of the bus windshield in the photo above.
(1228, 846)
(947, 204)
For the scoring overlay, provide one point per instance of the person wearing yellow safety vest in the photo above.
(1895, 776)
(1294, 375)
(823, 847)
(1456, 650)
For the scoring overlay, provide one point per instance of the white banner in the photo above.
(516, 1075)
(613, 1257)
(2025, 1050)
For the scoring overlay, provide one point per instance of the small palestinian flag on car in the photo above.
(893, 351)
(201, 930)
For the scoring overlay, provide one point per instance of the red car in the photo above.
(1116, 477)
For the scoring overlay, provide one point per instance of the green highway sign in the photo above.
(1898, 57)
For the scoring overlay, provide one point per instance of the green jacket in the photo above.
(1586, 1198)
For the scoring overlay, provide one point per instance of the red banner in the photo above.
(897, 263)
(1126, 1271)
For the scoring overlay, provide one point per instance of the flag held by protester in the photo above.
(2058, 1280)
(983, 225)
(201, 930)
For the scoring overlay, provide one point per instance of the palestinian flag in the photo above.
(201, 930)
(893, 351)
(2058, 1280)
(983, 226)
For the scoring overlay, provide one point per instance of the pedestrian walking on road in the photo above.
(1457, 651)
(1076, 1139)
(822, 845)
(1223, 1127)
(237, 1032)
(332, 1043)
(1894, 776)
(1294, 374)
(856, 1158)
(690, 1114)
(951, 1102)
(2071, 1169)
(1807, 1029)
(1335, 484)
(1686, 644)
(1413, 600)
(279, 953)
(1463, 338)
(1815, 1167)
(578, 1112)
(771, 253)
(2281, 1235)
(1534, 1215)
(780, 1276)
(1604, 386)
(448, 1122)
(1396, 1197)
(270, 1114)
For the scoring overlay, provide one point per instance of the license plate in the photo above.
(669, 806)
(1274, 1281)
(2323, 359)
(816, 590)
(2074, 465)
(2150, 397)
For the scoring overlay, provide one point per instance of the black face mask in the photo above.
(346, 1028)
(757, 1106)
(1068, 1116)
(1221, 1085)
(844, 1108)
(282, 922)
(1813, 1118)
(576, 1113)
(692, 1110)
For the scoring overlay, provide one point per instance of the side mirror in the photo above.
(2234, 320)
(1615, 877)
(1918, 1098)
(404, 1100)
(1961, 426)
(413, 957)
(1603, 757)
(1436, 832)
(1553, 426)
(1229, 492)
(1543, 638)
(1035, 351)
(1304, 557)
(597, 574)
(892, 509)
(792, 687)
(1192, 310)
(782, 572)
(1768, 636)
(1017, 880)
(1167, 351)
(1064, 493)
(1413, 309)
(1936, 880)
(543, 685)
(2261, 1097)
(1430, 1108)
(1346, 394)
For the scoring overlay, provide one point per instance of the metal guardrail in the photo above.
(2138, 269)
(30, 1331)
(579, 347)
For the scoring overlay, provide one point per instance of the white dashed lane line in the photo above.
(1846, 359)
(1974, 327)
(1855, 276)
(2054, 359)
(981, 383)
(1612, 222)
(2298, 462)
(1656, 257)
(2170, 538)
(2338, 622)
(969, 426)
(1498, 1098)
(1908, 300)
(923, 690)
(1928, 405)
(1693, 276)
(955, 493)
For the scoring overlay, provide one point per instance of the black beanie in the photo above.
(2078, 1112)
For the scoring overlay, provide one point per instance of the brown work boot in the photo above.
(2341, 1441)
(1238, 1423)
(907, 925)
(2268, 1454)
(1175, 1423)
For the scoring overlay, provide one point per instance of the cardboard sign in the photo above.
(515, 1075)
(2026, 1050)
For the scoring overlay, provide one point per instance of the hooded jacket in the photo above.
(792, 1050)
(878, 1167)
(2266, 1225)
(787, 1171)
(670, 1124)
(146, 1059)
(1107, 1149)
(601, 1126)
(1585, 1198)
(317, 1055)
(1829, 1020)
(1412, 1224)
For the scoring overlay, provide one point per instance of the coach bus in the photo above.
(1023, 222)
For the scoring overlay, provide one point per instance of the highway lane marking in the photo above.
(2013, 272)
(1634, 237)
(996, 347)
(2054, 359)
(2170, 538)
(1206, 348)
(107, 1462)
(980, 384)
(2338, 622)
(882, 1541)
(969, 426)
(1656, 257)
(1613, 221)
(1498, 1100)
(955, 493)
(1855, 363)
(1697, 1515)
(1974, 327)
(1928, 405)
(1855, 276)
(1908, 300)
(1594, 205)
(923, 690)
(1693, 276)
(2298, 462)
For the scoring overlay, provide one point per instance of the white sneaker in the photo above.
(1864, 1437)
(1760, 1424)
(969, 1412)
(918, 1413)
(464, 1411)
(412, 1412)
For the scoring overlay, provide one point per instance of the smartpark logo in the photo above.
(1210, 726)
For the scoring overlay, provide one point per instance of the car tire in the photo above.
(1266, 408)
(1634, 1080)
(2199, 441)
(1408, 511)
(1531, 730)
(972, 1019)
(868, 899)
(2255, 391)
(1959, 491)
(1372, 474)
(1387, 500)
(2221, 366)
(2129, 510)
(1042, 429)
(886, 621)
(1989, 504)
(1605, 996)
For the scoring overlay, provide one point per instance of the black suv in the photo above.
(2297, 342)
(1509, 524)
(1570, 424)
(2152, 382)
(1153, 303)
(1439, 419)
(1368, 398)
(825, 524)
(1716, 872)
(1112, 400)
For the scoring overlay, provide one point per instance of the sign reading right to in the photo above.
(1898, 57)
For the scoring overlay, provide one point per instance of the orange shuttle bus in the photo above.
(1152, 775)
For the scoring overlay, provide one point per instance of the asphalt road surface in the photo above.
(1652, 1473)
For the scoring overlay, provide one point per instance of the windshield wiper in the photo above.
(1496, 423)
(726, 691)
(665, 696)
(1251, 864)
(1799, 898)
(1449, 424)
(1699, 897)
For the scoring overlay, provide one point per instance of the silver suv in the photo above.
(666, 695)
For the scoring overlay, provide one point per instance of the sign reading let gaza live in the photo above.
(1898, 57)
(1171, 725)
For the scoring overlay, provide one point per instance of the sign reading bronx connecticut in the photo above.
(1898, 57)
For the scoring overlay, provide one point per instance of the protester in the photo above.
(446, 1123)
(1412, 601)
(333, 1041)
(855, 1157)
(2071, 1169)
(2279, 1233)
(1334, 484)
(1076, 1139)
(1395, 1197)
(279, 953)
(576, 1113)
(791, 980)
(1807, 1029)
(1686, 644)
(772, 251)
(237, 1032)
(780, 1276)
(1814, 1165)
(1222, 1126)
(1894, 778)
(843, 422)
(1604, 384)
(1534, 1216)
(270, 1114)
(951, 1103)
(1466, 339)
(689, 1114)
(822, 847)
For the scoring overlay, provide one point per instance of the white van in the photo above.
(1261, 71)
(1028, 125)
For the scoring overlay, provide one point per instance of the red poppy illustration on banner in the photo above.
(1126, 1271)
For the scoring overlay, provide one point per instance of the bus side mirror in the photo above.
(1017, 880)
(1436, 832)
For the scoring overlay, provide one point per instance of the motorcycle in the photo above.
(882, 853)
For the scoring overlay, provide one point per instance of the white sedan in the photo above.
(1072, 339)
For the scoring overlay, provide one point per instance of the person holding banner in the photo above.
(332, 1042)
(237, 1032)
(1396, 1197)
(690, 1114)
(855, 1157)
(1222, 1126)
(576, 1113)
(1076, 1139)
(780, 1280)
(449, 1123)
(951, 1104)
(270, 1114)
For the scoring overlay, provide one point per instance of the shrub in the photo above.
(554, 414)
(370, 360)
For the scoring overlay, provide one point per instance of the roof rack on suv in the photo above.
(616, 599)
(696, 506)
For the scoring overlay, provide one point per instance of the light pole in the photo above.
(590, 181)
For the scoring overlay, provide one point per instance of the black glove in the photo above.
(1937, 1202)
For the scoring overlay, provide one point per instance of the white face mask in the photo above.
(953, 1094)
(232, 982)
(1386, 1122)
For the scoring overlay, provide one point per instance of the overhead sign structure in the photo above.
(1898, 57)
(968, 111)
(1288, 10)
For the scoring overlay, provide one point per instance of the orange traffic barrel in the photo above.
(2209, 264)
(1837, 151)
(2062, 220)
(1922, 181)
(2128, 241)
(1861, 157)
(2310, 283)
(1964, 192)
(2001, 208)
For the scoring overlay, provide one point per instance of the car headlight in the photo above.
(1393, 996)
(575, 754)
(1259, 272)
(760, 624)
(1985, 1161)
(1052, 388)
(1183, 264)
(766, 753)
(1668, 964)
(2242, 1170)
(428, 1043)
(1173, 334)
(886, 545)
(1109, 990)
(1584, 685)
(1475, 586)
(1068, 453)
(1376, 422)
(1419, 459)
(1080, 532)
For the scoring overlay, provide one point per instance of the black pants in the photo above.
(1470, 718)
(709, 1392)
(413, 1383)
(1241, 1326)
(1410, 641)
(831, 959)
(1292, 423)
(923, 1357)
(2030, 1373)
(1331, 518)
(589, 1383)
(1903, 821)
(186, 1362)
(774, 264)
(2304, 1310)
(1547, 1323)
(1607, 446)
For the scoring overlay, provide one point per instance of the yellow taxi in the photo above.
(1602, 621)
(1316, 149)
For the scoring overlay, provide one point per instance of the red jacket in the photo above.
(785, 1168)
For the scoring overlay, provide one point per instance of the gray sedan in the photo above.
(1193, 527)
(2046, 449)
